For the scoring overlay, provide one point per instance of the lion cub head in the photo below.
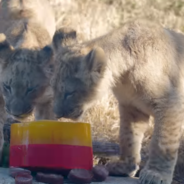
(78, 73)
(24, 77)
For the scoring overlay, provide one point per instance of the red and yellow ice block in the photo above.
(51, 144)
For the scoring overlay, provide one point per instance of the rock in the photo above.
(24, 178)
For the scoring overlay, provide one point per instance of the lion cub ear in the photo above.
(46, 60)
(64, 37)
(5, 48)
(95, 60)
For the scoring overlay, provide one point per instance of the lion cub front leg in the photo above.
(132, 128)
(164, 144)
(1, 141)
(2, 121)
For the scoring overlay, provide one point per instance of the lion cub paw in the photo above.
(120, 168)
(154, 177)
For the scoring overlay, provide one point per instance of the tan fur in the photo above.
(143, 64)
(63, 37)
(12, 12)
(26, 60)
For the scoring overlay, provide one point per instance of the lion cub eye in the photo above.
(7, 88)
(69, 94)
(30, 90)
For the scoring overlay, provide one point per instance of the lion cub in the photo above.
(143, 64)
(26, 62)
(15, 11)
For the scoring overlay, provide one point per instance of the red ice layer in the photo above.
(51, 156)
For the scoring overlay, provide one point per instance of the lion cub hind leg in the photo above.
(165, 142)
(132, 128)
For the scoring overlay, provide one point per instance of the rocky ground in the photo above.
(6, 179)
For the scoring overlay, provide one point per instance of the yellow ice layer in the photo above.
(51, 132)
